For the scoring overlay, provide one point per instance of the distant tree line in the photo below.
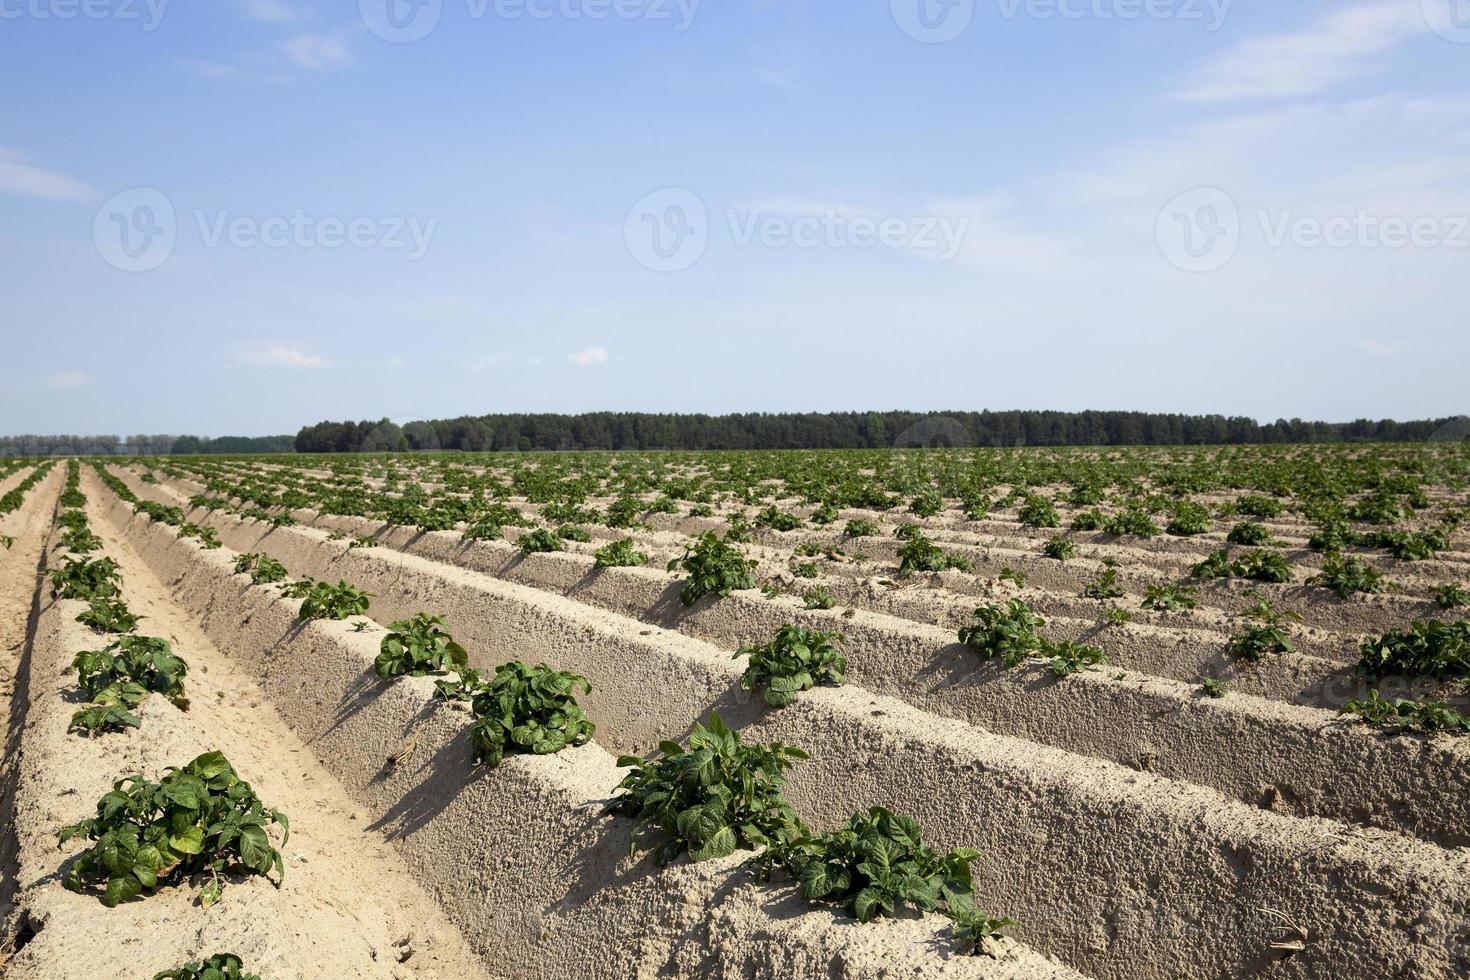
(844, 430)
(141, 445)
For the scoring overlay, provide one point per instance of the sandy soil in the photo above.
(349, 906)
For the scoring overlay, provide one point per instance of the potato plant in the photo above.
(878, 864)
(1345, 575)
(86, 579)
(262, 569)
(711, 798)
(1432, 649)
(418, 647)
(108, 616)
(1006, 632)
(919, 554)
(522, 709)
(796, 660)
(619, 554)
(199, 819)
(325, 601)
(713, 568)
(1426, 717)
(221, 966)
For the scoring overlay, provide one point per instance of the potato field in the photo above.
(1117, 713)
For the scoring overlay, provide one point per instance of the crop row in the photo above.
(891, 739)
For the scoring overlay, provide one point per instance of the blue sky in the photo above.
(1254, 207)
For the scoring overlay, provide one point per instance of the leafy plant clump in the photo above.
(1451, 597)
(86, 579)
(919, 554)
(774, 519)
(221, 966)
(1088, 520)
(619, 554)
(1263, 566)
(1249, 533)
(418, 647)
(1189, 519)
(340, 601)
(1059, 548)
(1131, 521)
(818, 597)
(1039, 512)
(540, 541)
(1259, 639)
(1345, 575)
(1433, 649)
(860, 527)
(1426, 717)
(1170, 598)
(263, 569)
(530, 710)
(1067, 657)
(875, 865)
(714, 568)
(1008, 632)
(198, 819)
(148, 661)
(108, 616)
(796, 660)
(1105, 586)
(714, 797)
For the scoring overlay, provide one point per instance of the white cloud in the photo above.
(23, 179)
(317, 52)
(589, 357)
(69, 379)
(271, 11)
(283, 357)
(1336, 48)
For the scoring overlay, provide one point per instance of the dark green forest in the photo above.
(829, 430)
(841, 430)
